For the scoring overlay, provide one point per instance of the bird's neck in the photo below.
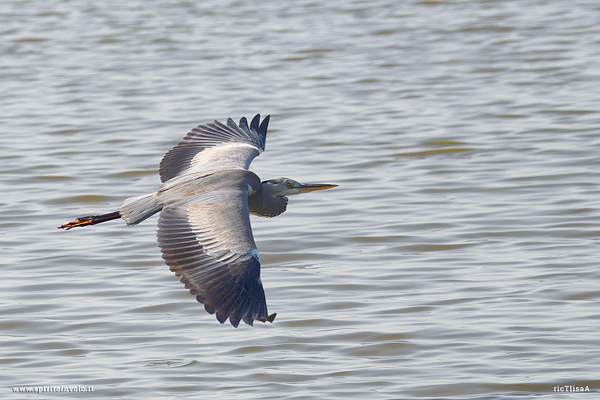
(267, 205)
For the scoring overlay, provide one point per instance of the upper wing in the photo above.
(208, 242)
(215, 145)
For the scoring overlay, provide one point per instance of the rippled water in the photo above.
(457, 259)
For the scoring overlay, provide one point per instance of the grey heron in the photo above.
(204, 230)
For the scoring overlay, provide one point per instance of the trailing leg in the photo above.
(91, 220)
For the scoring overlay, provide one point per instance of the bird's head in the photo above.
(287, 187)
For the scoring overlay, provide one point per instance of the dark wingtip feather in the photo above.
(235, 323)
(244, 123)
(231, 123)
(209, 309)
(222, 318)
(262, 130)
(254, 123)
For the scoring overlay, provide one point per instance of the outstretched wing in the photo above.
(208, 242)
(215, 145)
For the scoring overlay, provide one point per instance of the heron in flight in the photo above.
(204, 228)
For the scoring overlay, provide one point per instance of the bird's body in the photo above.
(204, 226)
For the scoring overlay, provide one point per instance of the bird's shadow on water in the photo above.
(173, 363)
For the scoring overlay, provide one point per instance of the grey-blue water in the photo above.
(458, 258)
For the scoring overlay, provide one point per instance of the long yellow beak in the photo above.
(311, 187)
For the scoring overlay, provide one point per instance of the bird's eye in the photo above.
(289, 185)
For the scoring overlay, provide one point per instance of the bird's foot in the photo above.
(270, 318)
(83, 221)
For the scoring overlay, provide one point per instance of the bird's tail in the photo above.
(136, 209)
